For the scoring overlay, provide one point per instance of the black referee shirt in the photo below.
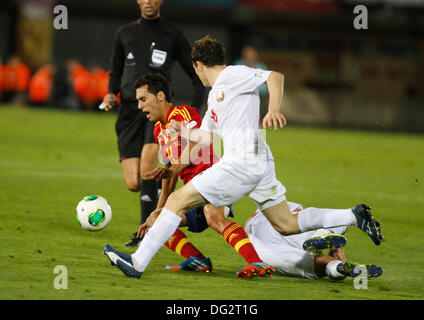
(150, 45)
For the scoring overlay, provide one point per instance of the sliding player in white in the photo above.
(291, 255)
(247, 166)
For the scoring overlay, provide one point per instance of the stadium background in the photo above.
(335, 75)
(354, 104)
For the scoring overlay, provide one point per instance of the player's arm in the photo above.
(117, 68)
(172, 170)
(183, 56)
(169, 176)
(274, 118)
(169, 182)
(168, 186)
(195, 135)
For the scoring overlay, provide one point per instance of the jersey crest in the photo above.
(220, 95)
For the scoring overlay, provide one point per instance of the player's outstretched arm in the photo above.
(274, 118)
(169, 182)
(195, 135)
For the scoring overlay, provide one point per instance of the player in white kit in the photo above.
(289, 254)
(247, 166)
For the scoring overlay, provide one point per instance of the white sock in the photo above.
(338, 230)
(315, 218)
(331, 270)
(163, 228)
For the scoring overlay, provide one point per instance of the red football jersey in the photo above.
(171, 146)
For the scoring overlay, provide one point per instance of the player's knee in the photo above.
(176, 202)
(133, 184)
(287, 227)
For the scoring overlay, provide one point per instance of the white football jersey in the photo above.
(233, 113)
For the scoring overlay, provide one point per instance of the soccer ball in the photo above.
(94, 213)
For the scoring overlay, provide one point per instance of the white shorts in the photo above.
(227, 182)
(284, 253)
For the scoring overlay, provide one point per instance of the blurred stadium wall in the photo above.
(335, 75)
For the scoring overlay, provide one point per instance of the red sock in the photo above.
(180, 244)
(235, 235)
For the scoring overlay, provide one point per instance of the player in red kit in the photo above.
(154, 95)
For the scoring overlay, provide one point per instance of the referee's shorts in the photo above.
(133, 129)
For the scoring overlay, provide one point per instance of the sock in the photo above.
(163, 228)
(314, 218)
(331, 270)
(323, 232)
(235, 235)
(338, 230)
(148, 198)
(180, 244)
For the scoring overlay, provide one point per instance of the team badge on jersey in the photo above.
(220, 95)
(158, 57)
(259, 74)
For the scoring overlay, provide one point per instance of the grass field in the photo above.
(50, 159)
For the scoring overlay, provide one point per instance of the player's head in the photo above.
(154, 95)
(207, 53)
(150, 9)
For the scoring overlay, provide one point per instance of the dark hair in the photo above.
(208, 51)
(156, 82)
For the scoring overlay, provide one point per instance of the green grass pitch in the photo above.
(50, 159)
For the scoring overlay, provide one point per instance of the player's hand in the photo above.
(110, 100)
(142, 230)
(158, 174)
(174, 127)
(274, 119)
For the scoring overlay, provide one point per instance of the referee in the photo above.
(148, 44)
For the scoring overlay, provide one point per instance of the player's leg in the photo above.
(269, 196)
(281, 218)
(232, 232)
(130, 169)
(195, 220)
(134, 131)
(337, 269)
(236, 237)
(215, 217)
(327, 266)
(148, 188)
(164, 227)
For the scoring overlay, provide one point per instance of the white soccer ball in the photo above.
(94, 213)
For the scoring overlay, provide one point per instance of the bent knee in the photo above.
(287, 227)
(133, 185)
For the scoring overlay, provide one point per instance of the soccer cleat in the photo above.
(354, 270)
(328, 241)
(367, 223)
(128, 269)
(192, 264)
(256, 269)
(122, 261)
(133, 242)
(114, 255)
